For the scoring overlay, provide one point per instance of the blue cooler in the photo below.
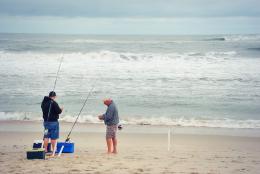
(68, 147)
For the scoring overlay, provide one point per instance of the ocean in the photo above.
(190, 81)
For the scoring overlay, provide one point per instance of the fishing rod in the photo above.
(55, 82)
(61, 60)
(68, 137)
(54, 86)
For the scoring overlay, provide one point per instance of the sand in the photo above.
(138, 153)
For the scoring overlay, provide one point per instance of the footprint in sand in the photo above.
(97, 172)
(236, 161)
(74, 170)
(140, 170)
(2, 153)
(88, 170)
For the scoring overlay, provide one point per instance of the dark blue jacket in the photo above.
(54, 111)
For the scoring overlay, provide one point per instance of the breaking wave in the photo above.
(234, 38)
(162, 121)
(242, 38)
(107, 55)
(216, 39)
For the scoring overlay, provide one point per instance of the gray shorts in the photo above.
(111, 131)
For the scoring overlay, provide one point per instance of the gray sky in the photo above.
(130, 16)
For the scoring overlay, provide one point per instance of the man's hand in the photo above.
(101, 117)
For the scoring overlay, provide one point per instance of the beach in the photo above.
(203, 88)
(182, 78)
(144, 152)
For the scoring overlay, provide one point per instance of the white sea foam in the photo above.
(20, 116)
(218, 123)
(101, 41)
(107, 55)
(81, 119)
(242, 38)
(164, 121)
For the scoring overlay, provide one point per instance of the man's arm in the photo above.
(57, 109)
(109, 114)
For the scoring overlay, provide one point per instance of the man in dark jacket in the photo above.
(111, 120)
(51, 111)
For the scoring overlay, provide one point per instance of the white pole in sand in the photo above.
(60, 151)
(169, 139)
(54, 150)
(42, 143)
(173, 138)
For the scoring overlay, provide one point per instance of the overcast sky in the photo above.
(130, 16)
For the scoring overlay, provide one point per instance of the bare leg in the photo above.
(114, 145)
(109, 145)
(53, 144)
(46, 141)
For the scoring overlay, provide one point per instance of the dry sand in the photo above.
(138, 153)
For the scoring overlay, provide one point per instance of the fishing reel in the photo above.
(120, 127)
(67, 139)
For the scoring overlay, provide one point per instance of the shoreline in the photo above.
(36, 126)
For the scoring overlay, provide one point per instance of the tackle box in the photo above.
(36, 154)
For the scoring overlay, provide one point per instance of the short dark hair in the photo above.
(52, 94)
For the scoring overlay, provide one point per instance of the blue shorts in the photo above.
(52, 131)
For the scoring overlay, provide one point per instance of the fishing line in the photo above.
(85, 102)
(55, 82)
